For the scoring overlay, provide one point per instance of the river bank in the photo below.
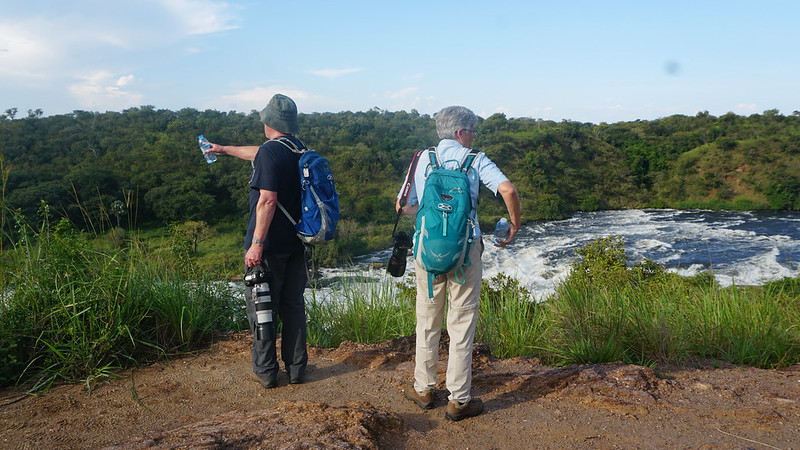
(354, 398)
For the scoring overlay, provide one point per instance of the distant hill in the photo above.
(81, 163)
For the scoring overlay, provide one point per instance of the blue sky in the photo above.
(589, 61)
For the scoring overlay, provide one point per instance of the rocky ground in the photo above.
(353, 399)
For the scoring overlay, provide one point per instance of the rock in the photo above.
(618, 387)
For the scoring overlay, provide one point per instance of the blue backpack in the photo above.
(319, 200)
(444, 231)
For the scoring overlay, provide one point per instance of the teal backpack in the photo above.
(444, 230)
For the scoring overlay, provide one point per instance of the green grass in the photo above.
(72, 309)
(510, 322)
(745, 326)
(606, 311)
(360, 309)
(71, 312)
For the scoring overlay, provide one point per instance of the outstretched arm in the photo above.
(511, 198)
(245, 152)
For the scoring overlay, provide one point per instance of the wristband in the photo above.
(257, 241)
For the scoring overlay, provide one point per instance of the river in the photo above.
(738, 247)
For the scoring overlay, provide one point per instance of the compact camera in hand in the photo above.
(397, 262)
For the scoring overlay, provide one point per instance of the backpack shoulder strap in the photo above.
(434, 158)
(469, 158)
(286, 213)
(290, 145)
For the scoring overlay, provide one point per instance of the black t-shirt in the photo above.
(275, 169)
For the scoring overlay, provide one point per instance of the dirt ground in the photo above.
(353, 399)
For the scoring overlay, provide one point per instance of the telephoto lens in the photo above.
(397, 262)
(263, 305)
(257, 279)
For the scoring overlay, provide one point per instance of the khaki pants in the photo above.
(462, 316)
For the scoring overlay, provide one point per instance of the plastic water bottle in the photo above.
(204, 144)
(500, 230)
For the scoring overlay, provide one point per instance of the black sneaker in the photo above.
(423, 399)
(457, 411)
(297, 379)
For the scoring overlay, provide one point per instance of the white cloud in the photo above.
(497, 109)
(407, 99)
(335, 73)
(25, 53)
(402, 93)
(256, 98)
(102, 90)
(539, 111)
(201, 16)
(49, 41)
(746, 107)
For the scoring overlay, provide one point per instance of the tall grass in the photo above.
(71, 312)
(510, 322)
(361, 309)
(744, 326)
(606, 311)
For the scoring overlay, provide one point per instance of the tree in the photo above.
(118, 209)
(195, 231)
(10, 114)
(180, 198)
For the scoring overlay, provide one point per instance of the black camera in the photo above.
(256, 275)
(397, 262)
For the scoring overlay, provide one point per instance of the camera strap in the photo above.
(409, 181)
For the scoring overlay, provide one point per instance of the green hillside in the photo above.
(141, 168)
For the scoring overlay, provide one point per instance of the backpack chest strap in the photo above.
(465, 164)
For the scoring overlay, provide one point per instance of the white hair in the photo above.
(453, 118)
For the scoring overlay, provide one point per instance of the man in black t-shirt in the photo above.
(272, 238)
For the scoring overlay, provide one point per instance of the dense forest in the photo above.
(141, 168)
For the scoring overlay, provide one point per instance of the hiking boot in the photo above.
(457, 411)
(424, 399)
(267, 382)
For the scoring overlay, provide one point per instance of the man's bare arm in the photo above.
(245, 152)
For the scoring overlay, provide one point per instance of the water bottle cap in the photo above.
(503, 219)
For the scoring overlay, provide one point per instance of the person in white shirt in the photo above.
(455, 126)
